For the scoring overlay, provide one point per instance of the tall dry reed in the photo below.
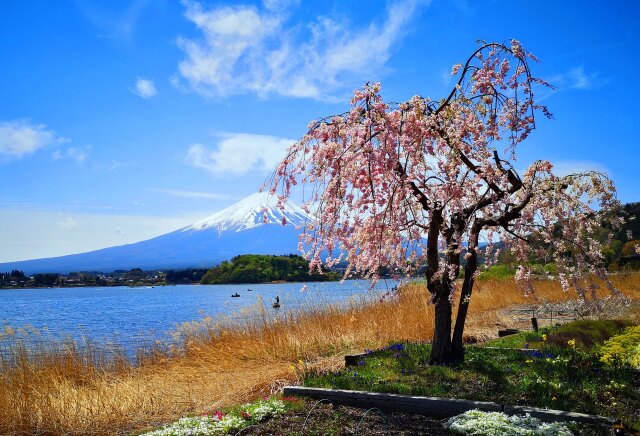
(71, 390)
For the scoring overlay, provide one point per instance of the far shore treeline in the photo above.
(248, 268)
(253, 268)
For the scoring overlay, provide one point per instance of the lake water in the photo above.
(136, 316)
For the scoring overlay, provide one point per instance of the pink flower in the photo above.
(455, 69)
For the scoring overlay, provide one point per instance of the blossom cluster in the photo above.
(476, 422)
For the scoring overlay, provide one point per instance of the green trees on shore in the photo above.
(253, 268)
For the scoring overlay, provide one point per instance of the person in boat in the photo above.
(277, 299)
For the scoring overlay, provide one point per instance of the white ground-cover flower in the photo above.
(226, 424)
(478, 423)
(197, 425)
(263, 409)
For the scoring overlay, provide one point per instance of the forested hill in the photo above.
(254, 268)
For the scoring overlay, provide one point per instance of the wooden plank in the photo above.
(431, 406)
(435, 406)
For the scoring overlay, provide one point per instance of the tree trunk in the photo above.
(457, 347)
(441, 344)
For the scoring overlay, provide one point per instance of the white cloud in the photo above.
(115, 164)
(191, 194)
(67, 224)
(144, 88)
(21, 138)
(239, 153)
(78, 154)
(577, 78)
(247, 49)
(114, 19)
(563, 168)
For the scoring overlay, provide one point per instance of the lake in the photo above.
(133, 317)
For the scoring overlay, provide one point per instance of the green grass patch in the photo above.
(557, 375)
(497, 272)
(529, 339)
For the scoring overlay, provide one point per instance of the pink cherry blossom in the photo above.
(413, 184)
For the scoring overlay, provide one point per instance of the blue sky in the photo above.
(122, 120)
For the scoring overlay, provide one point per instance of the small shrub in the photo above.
(623, 349)
(551, 268)
(497, 272)
(587, 333)
(476, 422)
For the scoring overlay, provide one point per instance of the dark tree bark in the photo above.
(441, 344)
(457, 347)
(440, 288)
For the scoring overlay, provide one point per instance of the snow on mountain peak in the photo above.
(249, 213)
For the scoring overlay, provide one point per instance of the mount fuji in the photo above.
(238, 229)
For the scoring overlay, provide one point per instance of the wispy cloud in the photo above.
(566, 167)
(20, 138)
(574, 78)
(191, 194)
(77, 154)
(244, 48)
(28, 233)
(144, 88)
(67, 224)
(239, 153)
(113, 23)
(116, 164)
(577, 78)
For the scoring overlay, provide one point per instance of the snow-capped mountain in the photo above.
(251, 212)
(238, 229)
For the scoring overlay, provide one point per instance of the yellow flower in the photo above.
(544, 338)
(553, 398)
(571, 343)
(529, 361)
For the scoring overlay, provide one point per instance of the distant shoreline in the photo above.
(164, 285)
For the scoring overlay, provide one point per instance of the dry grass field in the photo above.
(62, 390)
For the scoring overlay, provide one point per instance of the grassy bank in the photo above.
(66, 390)
(566, 376)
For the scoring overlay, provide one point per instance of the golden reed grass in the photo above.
(65, 390)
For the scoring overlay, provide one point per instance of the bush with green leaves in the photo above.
(476, 422)
(622, 349)
(497, 272)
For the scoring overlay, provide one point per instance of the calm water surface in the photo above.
(135, 316)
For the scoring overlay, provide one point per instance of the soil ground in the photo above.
(326, 419)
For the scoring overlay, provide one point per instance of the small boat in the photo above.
(235, 295)
(276, 305)
(249, 290)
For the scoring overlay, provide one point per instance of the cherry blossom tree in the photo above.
(427, 181)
